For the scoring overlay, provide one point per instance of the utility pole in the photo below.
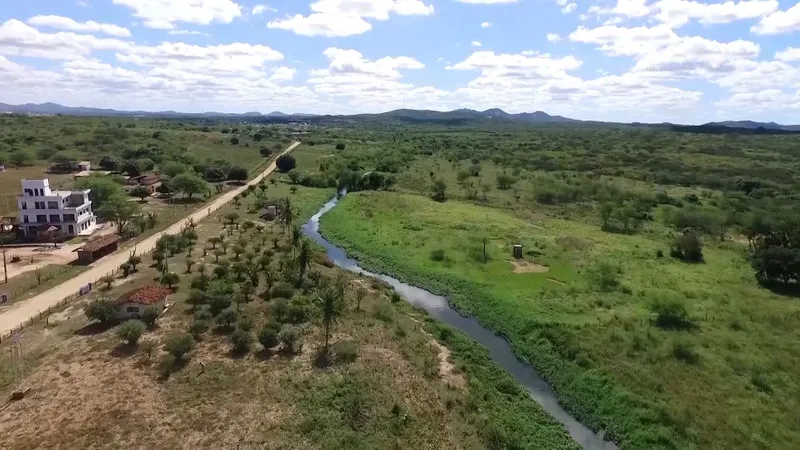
(5, 267)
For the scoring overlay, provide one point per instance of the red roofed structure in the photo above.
(132, 304)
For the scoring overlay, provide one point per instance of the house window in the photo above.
(52, 205)
(133, 309)
(25, 219)
(69, 217)
(41, 218)
(29, 192)
(24, 205)
(39, 205)
(55, 218)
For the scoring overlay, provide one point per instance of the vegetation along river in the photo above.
(499, 348)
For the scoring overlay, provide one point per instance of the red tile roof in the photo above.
(97, 244)
(148, 295)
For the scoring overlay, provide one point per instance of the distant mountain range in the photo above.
(407, 116)
(55, 108)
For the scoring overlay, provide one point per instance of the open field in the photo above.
(741, 351)
(390, 383)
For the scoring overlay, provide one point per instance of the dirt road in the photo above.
(27, 309)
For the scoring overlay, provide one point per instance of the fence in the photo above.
(46, 312)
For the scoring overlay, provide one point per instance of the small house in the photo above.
(83, 166)
(131, 305)
(97, 248)
(268, 213)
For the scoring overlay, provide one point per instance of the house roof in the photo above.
(148, 295)
(97, 244)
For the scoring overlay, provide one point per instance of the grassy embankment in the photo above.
(400, 391)
(726, 383)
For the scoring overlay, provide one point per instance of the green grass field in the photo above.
(728, 383)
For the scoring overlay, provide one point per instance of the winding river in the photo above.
(499, 349)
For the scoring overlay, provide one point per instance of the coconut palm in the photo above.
(303, 259)
(297, 234)
(287, 214)
(330, 305)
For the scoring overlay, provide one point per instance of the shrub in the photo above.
(203, 314)
(605, 275)
(268, 337)
(340, 146)
(285, 163)
(198, 327)
(101, 310)
(345, 351)
(166, 364)
(659, 253)
(246, 323)
(149, 316)
(179, 344)
(687, 247)
(670, 314)
(131, 331)
(438, 255)
(395, 297)
(299, 310)
(684, 351)
(226, 319)
(281, 290)
(241, 341)
(289, 337)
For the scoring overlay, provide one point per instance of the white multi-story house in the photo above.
(41, 208)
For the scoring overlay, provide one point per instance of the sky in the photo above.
(680, 61)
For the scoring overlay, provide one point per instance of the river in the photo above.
(499, 349)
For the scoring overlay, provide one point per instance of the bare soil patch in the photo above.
(523, 266)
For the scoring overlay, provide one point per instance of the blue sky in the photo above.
(627, 60)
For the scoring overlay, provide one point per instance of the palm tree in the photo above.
(303, 259)
(287, 215)
(297, 234)
(331, 306)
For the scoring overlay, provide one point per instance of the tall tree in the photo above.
(189, 184)
(330, 305)
(118, 210)
(287, 214)
(303, 259)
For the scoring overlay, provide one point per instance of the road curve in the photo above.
(21, 312)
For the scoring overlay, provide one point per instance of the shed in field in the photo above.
(97, 248)
(132, 304)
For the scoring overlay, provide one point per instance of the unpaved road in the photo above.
(23, 311)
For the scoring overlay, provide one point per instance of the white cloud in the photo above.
(260, 9)
(486, 24)
(788, 54)
(569, 8)
(475, 44)
(283, 73)
(163, 14)
(697, 57)
(19, 39)
(677, 13)
(334, 18)
(186, 32)
(553, 37)
(779, 22)
(621, 41)
(624, 8)
(355, 82)
(487, 2)
(65, 23)
(240, 58)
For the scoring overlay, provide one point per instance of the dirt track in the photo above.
(27, 309)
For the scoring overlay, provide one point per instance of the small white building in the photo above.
(41, 208)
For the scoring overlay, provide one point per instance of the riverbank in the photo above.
(613, 369)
